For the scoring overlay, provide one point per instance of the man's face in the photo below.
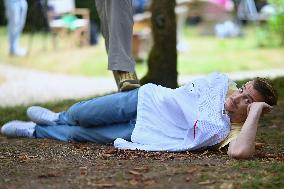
(236, 105)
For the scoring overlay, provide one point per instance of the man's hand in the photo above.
(244, 145)
(260, 107)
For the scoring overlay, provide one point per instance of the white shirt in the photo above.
(186, 118)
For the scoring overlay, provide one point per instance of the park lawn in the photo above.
(209, 54)
(44, 163)
(205, 54)
(2, 79)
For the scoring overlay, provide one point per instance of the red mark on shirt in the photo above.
(194, 128)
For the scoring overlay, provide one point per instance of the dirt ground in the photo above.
(43, 163)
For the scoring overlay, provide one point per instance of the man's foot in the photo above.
(126, 81)
(42, 116)
(19, 129)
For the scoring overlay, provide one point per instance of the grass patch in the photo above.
(2, 79)
(59, 163)
(19, 112)
(205, 54)
(259, 174)
(208, 54)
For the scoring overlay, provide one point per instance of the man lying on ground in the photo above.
(206, 112)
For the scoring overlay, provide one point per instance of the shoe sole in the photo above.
(126, 81)
(128, 87)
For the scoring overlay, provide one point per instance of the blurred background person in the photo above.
(139, 6)
(16, 12)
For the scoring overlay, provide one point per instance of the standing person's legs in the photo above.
(116, 25)
(14, 13)
(23, 14)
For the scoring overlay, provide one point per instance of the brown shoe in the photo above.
(126, 81)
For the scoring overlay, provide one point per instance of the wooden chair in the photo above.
(67, 21)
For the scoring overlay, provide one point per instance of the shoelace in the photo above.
(127, 76)
(22, 132)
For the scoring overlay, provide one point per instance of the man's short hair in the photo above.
(265, 88)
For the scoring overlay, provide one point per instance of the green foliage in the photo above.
(273, 33)
(278, 3)
(278, 83)
(265, 38)
(276, 24)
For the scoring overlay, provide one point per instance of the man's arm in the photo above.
(244, 145)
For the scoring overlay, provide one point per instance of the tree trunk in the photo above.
(162, 60)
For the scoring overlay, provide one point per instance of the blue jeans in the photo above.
(99, 120)
(16, 11)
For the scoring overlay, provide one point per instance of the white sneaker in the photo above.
(19, 129)
(19, 52)
(42, 116)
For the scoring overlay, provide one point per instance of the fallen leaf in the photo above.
(106, 155)
(259, 145)
(133, 182)
(226, 186)
(187, 179)
(192, 170)
(111, 151)
(280, 158)
(134, 172)
(271, 155)
(150, 182)
(207, 182)
(141, 169)
(83, 171)
(23, 157)
(205, 152)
